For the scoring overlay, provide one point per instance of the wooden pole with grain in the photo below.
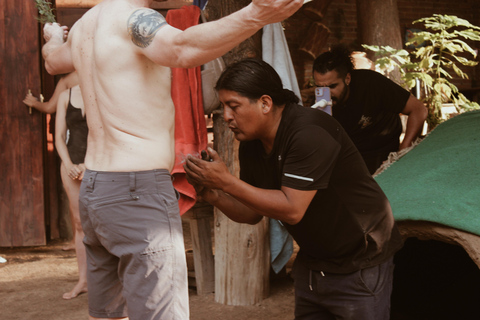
(242, 252)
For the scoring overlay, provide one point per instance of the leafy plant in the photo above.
(45, 11)
(440, 53)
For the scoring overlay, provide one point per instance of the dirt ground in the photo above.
(34, 278)
(433, 281)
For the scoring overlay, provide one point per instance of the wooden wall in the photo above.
(22, 216)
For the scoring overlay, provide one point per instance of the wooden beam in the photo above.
(171, 4)
(76, 3)
(165, 5)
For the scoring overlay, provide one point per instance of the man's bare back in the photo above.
(129, 107)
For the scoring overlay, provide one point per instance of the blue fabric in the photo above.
(200, 3)
(281, 245)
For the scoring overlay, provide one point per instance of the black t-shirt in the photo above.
(370, 116)
(349, 224)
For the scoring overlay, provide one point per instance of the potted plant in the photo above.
(436, 55)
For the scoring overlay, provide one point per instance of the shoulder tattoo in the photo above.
(142, 26)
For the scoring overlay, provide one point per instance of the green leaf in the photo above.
(439, 57)
(45, 11)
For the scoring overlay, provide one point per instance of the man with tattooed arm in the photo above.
(123, 52)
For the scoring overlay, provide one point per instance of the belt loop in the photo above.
(91, 180)
(132, 182)
(133, 186)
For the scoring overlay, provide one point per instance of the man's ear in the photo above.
(348, 78)
(267, 103)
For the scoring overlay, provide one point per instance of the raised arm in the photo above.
(56, 52)
(417, 113)
(50, 106)
(171, 47)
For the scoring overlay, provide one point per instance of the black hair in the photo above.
(338, 58)
(253, 78)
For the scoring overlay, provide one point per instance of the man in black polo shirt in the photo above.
(299, 166)
(368, 106)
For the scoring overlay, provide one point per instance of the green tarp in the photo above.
(439, 179)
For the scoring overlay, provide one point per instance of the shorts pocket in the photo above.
(370, 278)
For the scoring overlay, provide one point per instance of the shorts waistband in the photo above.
(106, 176)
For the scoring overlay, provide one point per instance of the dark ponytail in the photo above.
(253, 78)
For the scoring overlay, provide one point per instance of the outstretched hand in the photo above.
(273, 11)
(54, 29)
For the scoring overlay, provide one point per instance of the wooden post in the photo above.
(379, 24)
(22, 216)
(200, 217)
(242, 253)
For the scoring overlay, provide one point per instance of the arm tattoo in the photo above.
(142, 26)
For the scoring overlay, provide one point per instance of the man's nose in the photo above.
(227, 114)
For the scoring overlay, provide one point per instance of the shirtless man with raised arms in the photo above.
(123, 52)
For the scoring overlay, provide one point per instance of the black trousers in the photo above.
(361, 295)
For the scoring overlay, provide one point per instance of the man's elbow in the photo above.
(54, 69)
(55, 65)
(189, 58)
(423, 112)
(50, 68)
(417, 109)
(293, 218)
(253, 220)
(48, 63)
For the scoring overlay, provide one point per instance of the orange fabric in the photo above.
(190, 126)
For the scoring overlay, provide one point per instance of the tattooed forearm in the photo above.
(142, 26)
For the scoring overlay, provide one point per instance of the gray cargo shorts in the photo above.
(134, 244)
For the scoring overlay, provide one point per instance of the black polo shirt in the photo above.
(349, 224)
(371, 114)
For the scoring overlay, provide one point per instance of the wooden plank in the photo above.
(172, 4)
(22, 194)
(5, 212)
(200, 218)
(76, 3)
(165, 5)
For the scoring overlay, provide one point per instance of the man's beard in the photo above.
(343, 95)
